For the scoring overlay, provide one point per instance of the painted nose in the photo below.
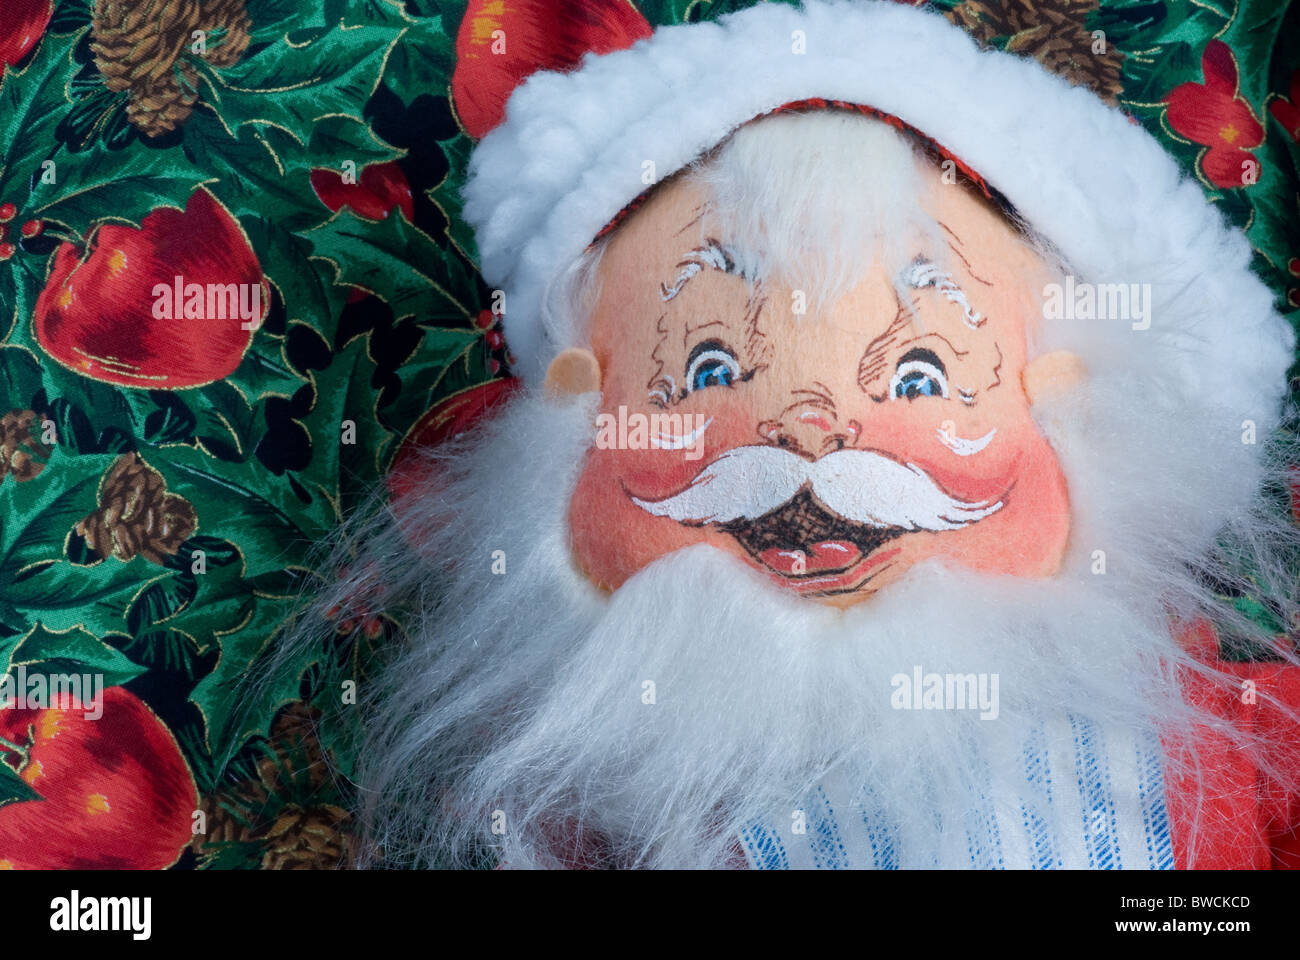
(810, 430)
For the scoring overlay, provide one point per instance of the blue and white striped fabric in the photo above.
(1083, 798)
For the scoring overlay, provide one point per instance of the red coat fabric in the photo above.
(1250, 819)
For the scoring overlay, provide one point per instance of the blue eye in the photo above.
(715, 373)
(712, 368)
(918, 378)
(918, 385)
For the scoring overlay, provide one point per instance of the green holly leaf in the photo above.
(215, 553)
(263, 372)
(118, 185)
(32, 101)
(1130, 24)
(161, 600)
(441, 354)
(309, 295)
(272, 19)
(1253, 39)
(361, 13)
(350, 440)
(70, 15)
(423, 61)
(9, 314)
(72, 651)
(397, 262)
(1198, 24)
(240, 503)
(169, 651)
(76, 431)
(35, 516)
(281, 584)
(63, 594)
(296, 81)
(335, 140)
(240, 697)
(252, 178)
(228, 427)
(94, 417)
(1236, 207)
(447, 195)
(219, 607)
(171, 420)
(20, 377)
(266, 170)
(20, 285)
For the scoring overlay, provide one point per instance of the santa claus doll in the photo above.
(894, 417)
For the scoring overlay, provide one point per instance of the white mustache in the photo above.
(861, 486)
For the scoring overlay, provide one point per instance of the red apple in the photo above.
(21, 26)
(500, 44)
(115, 792)
(99, 312)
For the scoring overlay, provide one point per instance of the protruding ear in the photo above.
(501, 42)
(1052, 375)
(574, 371)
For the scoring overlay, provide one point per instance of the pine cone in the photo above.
(163, 104)
(222, 827)
(305, 834)
(232, 20)
(301, 838)
(137, 41)
(1054, 32)
(21, 454)
(307, 839)
(142, 46)
(136, 514)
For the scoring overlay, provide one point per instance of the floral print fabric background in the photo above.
(162, 481)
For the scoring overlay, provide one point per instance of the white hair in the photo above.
(850, 190)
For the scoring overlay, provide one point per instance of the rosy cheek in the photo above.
(656, 473)
(913, 435)
(612, 536)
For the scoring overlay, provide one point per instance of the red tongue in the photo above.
(824, 555)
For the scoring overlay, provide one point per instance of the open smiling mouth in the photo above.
(813, 549)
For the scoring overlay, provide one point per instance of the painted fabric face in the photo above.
(830, 445)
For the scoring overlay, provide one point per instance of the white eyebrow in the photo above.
(921, 273)
(712, 254)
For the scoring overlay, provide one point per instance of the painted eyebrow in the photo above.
(712, 254)
(923, 272)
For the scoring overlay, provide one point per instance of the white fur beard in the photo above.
(757, 695)
(532, 714)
